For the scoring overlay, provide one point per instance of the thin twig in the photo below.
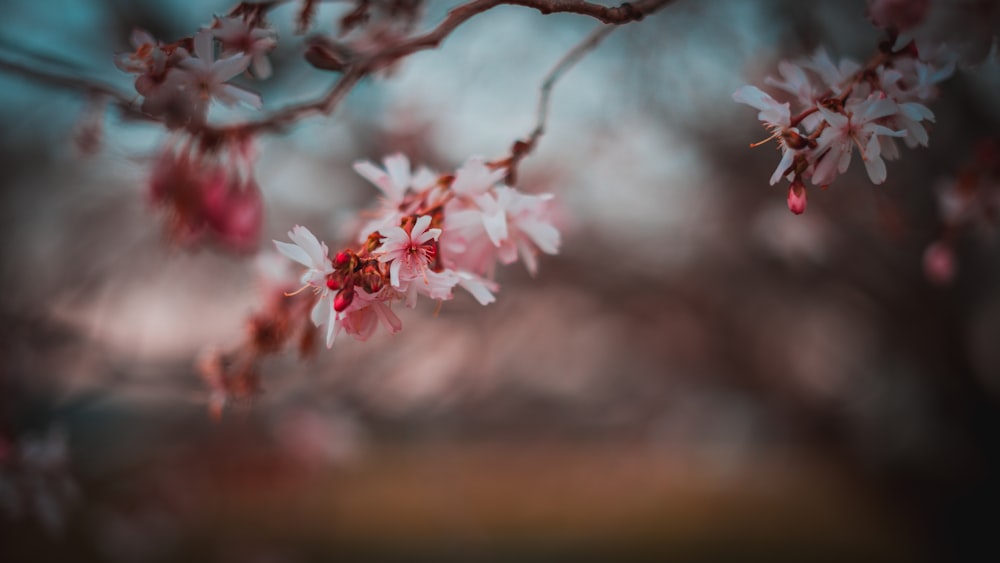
(610, 15)
(566, 63)
(358, 69)
(62, 81)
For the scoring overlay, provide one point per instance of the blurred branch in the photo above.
(523, 148)
(360, 68)
(88, 86)
(355, 70)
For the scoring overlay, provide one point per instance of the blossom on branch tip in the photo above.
(207, 76)
(843, 104)
(238, 36)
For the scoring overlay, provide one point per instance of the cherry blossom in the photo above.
(857, 127)
(409, 254)
(308, 251)
(146, 57)
(207, 76)
(394, 182)
(208, 194)
(238, 36)
(843, 105)
(777, 119)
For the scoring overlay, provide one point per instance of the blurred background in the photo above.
(698, 376)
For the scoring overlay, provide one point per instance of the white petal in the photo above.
(879, 109)
(204, 47)
(496, 226)
(544, 235)
(316, 250)
(528, 257)
(398, 167)
(261, 66)
(332, 328)
(294, 252)
(320, 313)
(476, 287)
(380, 178)
(787, 157)
(388, 318)
(423, 178)
(835, 119)
(475, 177)
(876, 169)
(394, 272)
(419, 227)
(224, 69)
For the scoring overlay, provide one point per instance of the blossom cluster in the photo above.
(843, 105)
(179, 80)
(208, 193)
(432, 233)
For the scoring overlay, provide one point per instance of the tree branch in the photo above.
(358, 69)
(363, 66)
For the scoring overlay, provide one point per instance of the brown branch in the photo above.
(524, 147)
(91, 87)
(363, 66)
(457, 16)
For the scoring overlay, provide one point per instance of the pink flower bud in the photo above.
(342, 259)
(939, 263)
(343, 300)
(797, 197)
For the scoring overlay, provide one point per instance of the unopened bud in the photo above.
(343, 300)
(342, 259)
(939, 263)
(332, 284)
(797, 197)
(793, 140)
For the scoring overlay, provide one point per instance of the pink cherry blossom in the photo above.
(365, 314)
(394, 182)
(308, 251)
(408, 254)
(777, 119)
(857, 126)
(207, 77)
(475, 177)
(237, 36)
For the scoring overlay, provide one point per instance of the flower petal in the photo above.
(204, 48)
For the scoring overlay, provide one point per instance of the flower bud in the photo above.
(343, 300)
(797, 197)
(939, 263)
(332, 284)
(342, 259)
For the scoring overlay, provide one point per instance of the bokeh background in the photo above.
(699, 375)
